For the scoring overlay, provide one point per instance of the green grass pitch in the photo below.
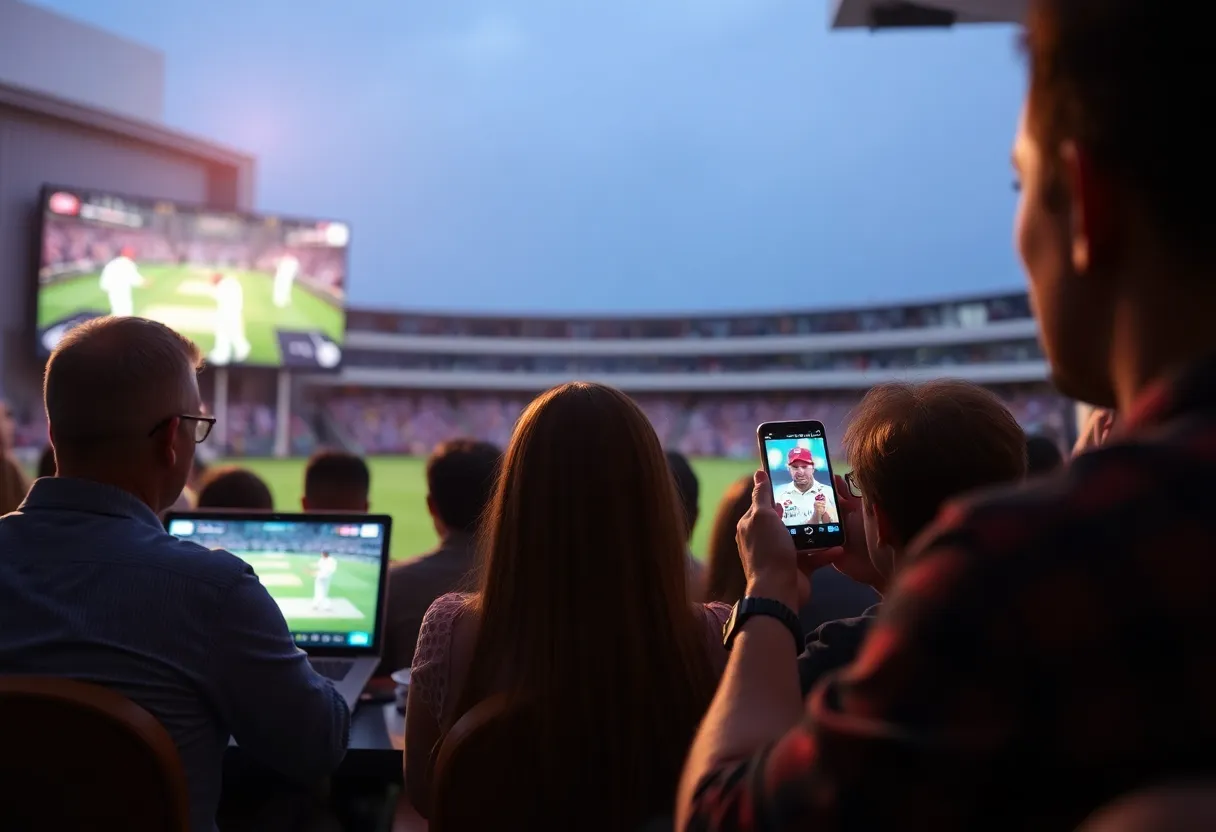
(180, 297)
(289, 579)
(399, 489)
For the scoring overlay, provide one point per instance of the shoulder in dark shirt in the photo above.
(832, 646)
(412, 587)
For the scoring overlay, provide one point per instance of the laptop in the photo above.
(327, 572)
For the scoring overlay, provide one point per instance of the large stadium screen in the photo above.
(250, 290)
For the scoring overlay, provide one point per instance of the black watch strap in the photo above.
(748, 607)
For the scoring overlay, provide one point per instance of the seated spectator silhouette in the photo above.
(913, 448)
(689, 488)
(336, 481)
(582, 610)
(833, 594)
(13, 482)
(460, 476)
(1042, 456)
(93, 588)
(233, 487)
(1049, 647)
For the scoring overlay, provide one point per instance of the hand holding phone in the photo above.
(795, 458)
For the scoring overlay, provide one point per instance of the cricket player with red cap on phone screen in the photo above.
(805, 500)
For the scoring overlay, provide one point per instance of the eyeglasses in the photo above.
(851, 482)
(202, 425)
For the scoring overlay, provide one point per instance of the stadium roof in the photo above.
(920, 14)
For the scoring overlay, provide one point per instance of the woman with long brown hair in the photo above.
(13, 482)
(582, 612)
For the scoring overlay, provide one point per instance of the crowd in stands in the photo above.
(1033, 646)
(952, 314)
(858, 360)
(699, 426)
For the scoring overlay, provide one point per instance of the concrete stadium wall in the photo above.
(44, 140)
(44, 51)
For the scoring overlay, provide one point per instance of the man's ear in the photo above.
(304, 504)
(164, 441)
(366, 507)
(886, 532)
(1093, 224)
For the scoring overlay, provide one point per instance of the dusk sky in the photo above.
(596, 155)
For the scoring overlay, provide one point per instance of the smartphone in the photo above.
(795, 457)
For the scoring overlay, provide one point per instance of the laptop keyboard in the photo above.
(333, 669)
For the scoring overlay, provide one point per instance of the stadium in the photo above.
(412, 381)
(409, 381)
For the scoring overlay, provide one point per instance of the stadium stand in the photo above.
(412, 381)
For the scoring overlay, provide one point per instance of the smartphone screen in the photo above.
(795, 456)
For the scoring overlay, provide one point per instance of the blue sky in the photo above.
(608, 155)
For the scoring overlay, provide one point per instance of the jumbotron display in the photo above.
(250, 290)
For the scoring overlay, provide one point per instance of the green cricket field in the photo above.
(399, 489)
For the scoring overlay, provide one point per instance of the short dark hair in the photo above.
(1126, 80)
(235, 488)
(1042, 456)
(460, 477)
(108, 371)
(332, 472)
(688, 487)
(915, 446)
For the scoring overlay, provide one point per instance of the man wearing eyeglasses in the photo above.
(913, 448)
(92, 587)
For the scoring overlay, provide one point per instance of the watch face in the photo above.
(730, 622)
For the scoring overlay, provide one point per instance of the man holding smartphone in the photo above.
(805, 500)
(1048, 648)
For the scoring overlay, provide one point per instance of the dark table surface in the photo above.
(377, 734)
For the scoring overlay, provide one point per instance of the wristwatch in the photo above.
(748, 607)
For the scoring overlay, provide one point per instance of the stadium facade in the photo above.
(63, 122)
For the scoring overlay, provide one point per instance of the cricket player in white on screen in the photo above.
(284, 279)
(805, 499)
(230, 342)
(324, 572)
(118, 278)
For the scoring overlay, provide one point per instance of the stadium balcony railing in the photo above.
(1020, 372)
(1020, 328)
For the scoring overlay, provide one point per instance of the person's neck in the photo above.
(143, 492)
(1158, 332)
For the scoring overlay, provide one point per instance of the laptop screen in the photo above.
(325, 572)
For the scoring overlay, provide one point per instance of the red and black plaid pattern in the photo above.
(1045, 650)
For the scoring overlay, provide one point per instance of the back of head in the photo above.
(460, 477)
(1110, 75)
(112, 389)
(336, 481)
(915, 446)
(585, 512)
(232, 487)
(1043, 456)
(725, 580)
(688, 487)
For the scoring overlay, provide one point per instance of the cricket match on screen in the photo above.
(325, 577)
(249, 290)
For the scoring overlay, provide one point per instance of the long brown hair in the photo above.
(13, 484)
(583, 606)
(724, 579)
